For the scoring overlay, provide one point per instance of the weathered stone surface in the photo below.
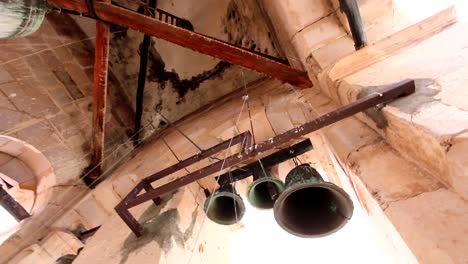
(426, 222)
(387, 176)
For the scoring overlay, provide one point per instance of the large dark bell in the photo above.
(310, 207)
(224, 206)
(263, 192)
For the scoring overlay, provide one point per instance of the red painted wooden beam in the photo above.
(101, 58)
(188, 39)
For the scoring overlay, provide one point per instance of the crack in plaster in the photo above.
(374, 142)
(386, 204)
(332, 12)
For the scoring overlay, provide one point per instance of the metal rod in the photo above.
(268, 162)
(142, 78)
(200, 156)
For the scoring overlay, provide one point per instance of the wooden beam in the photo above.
(101, 58)
(195, 41)
(12, 206)
(386, 47)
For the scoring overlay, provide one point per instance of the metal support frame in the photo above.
(248, 151)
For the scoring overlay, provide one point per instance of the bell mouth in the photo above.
(224, 208)
(313, 209)
(258, 194)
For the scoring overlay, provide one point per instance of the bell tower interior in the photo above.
(233, 131)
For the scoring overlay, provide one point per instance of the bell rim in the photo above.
(234, 196)
(327, 185)
(261, 180)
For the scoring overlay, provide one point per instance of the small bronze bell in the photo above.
(224, 206)
(263, 192)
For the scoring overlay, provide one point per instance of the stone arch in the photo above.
(26, 171)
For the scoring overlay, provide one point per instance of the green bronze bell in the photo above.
(311, 207)
(263, 192)
(20, 18)
(224, 206)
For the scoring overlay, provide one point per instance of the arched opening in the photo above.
(25, 174)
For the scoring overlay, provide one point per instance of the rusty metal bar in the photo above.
(392, 92)
(188, 39)
(244, 137)
(386, 95)
(267, 162)
(128, 218)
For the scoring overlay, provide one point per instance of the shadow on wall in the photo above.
(162, 228)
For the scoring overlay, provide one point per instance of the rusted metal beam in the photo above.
(12, 206)
(244, 138)
(188, 39)
(101, 58)
(381, 97)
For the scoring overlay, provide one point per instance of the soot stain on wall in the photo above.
(162, 228)
(158, 73)
(245, 27)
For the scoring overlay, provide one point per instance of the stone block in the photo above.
(77, 73)
(123, 184)
(68, 83)
(458, 164)
(92, 214)
(333, 51)
(32, 254)
(4, 76)
(83, 52)
(60, 96)
(10, 119)
(317, 35)
(388, 176)
(434, 225)
(294, 16)
(31, 100)
(40, 135)
(349, 135)
(60, 242)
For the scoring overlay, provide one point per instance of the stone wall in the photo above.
(45, 113)
(401, 158)
(179, 80)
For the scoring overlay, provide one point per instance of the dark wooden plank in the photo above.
(142, 75)
(101, 58)
(195, 41)
(12, 206)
